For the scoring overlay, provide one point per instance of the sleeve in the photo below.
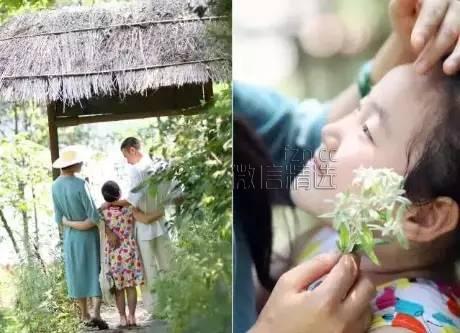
(291, 130)
(165, 193)
(135, 179)
(88, 204)
(58, 214)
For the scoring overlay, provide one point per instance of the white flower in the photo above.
(375, 207)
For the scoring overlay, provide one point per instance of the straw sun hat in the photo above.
(69, 156)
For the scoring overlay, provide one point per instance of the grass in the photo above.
(7, 288)
(7, 296)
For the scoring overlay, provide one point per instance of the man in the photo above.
(152, 239)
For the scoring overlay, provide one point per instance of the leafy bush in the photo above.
(195, 294)
(42, 304)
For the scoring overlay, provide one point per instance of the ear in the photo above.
(429, 221)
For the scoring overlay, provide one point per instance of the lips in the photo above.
(318, 165)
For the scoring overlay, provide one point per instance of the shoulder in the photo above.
(80, 183)
(256, 101)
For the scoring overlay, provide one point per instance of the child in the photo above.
(412, 125)
(123, 263)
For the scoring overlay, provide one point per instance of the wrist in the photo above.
(395, 51)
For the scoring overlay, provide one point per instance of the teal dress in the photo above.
(72, 199)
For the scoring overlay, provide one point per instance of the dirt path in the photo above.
(145, 325)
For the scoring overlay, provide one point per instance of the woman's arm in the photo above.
(148, 218)
(121, 203)
(79, 225)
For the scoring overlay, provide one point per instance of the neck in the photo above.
(413, 263)
(67, 173)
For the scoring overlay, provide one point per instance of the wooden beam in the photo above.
(164, 98)
(53, 135)
(79, 120)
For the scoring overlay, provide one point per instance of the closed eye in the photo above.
(368, 133)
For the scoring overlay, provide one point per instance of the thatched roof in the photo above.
(77, 53)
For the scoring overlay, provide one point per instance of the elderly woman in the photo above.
(73, 202)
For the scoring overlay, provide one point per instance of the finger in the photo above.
(442, 43)
(362, 323)
(431, 14)
(403, 8)
(452, 64)
(359, 297)
(339, 281)
(304, 274)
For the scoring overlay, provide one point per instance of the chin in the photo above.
(308, 200)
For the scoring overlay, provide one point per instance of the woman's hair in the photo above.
(111, 191)
(437, 171)
(252, 203)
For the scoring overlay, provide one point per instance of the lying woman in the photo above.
(411, 124)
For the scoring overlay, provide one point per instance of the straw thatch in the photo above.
(77, 53)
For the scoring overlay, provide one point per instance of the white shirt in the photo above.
(142, 200)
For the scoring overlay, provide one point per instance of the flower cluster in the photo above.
(374, 207)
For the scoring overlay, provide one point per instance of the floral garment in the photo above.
(123, 264)
(419, 305)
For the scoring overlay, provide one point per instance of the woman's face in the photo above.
(377, 134)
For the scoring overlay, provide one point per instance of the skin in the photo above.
(132, 155)
(331, 307)
(131, 295)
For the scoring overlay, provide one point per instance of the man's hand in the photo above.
(112, 238)
(65, 221)
(431, 29)
(137, 214)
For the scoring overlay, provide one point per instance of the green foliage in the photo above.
(15, 7)
(195, 295)
(42, 304)
(7, 322)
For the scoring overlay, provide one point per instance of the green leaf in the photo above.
(344, 238)
(142, 186)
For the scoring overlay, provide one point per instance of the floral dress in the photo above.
(123, 264)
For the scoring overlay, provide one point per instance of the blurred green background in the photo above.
(306, 48)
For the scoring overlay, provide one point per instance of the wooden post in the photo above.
(53, 134)
(207, 91)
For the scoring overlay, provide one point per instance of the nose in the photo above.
(330, 135)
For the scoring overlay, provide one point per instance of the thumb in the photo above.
(403, 8)
(306, 273)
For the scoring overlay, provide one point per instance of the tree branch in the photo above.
(9, 232)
